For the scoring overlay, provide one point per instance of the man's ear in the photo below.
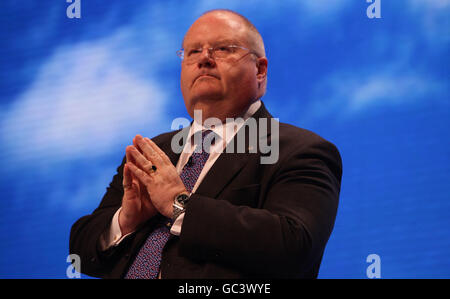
(261, 65)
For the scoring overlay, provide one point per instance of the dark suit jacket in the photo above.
(246, 219)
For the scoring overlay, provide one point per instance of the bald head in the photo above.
(254, 38)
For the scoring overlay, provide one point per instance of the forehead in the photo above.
(216, 27)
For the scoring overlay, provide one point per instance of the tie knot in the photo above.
(205, 134)
(203, 140)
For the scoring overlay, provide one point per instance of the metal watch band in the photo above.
(177, 211)
(179, 205)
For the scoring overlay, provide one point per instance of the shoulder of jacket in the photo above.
(164, 137)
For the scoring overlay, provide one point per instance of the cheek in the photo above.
(182, 78)
(184, 82)
(243, 82)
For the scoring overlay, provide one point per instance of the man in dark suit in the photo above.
(218, 212)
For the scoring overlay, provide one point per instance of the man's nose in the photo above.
(206, 59)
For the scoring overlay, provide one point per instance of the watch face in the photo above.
(182, 198)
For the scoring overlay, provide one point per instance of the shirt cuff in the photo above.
(113, 236)
(176, 226)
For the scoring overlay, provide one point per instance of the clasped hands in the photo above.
(150, 183)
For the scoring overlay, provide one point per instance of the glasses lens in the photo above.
(192, 55)
(220, 52)
(223, 51)
(180, 53)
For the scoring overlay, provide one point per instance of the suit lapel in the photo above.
(226, 167)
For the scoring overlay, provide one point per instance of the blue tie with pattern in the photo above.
(147, 262)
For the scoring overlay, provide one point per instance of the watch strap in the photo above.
(179, 205)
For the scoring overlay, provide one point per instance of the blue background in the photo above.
(73, 93)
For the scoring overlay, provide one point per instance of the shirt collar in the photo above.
(228, 129)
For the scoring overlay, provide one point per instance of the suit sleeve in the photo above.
(85, 233)
(283, 238)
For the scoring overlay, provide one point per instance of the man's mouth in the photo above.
(205, 76)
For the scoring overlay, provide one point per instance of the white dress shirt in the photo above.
(224, 134)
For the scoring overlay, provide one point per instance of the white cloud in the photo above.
(86, 102)
(389, 90)
(83, 102)
(397, 81)
(347, 94)
(434, 20)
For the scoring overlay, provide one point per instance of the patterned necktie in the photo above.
(147, 262)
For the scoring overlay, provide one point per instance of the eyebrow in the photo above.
(219, 42)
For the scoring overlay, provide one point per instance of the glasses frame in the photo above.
(211, 51)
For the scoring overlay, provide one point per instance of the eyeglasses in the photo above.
(193, 55)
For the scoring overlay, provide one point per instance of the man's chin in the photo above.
(204, 103)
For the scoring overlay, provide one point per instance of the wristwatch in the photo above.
(179, 205)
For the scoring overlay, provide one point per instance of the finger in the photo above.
(139, 173)
(129, 157)
(135, 182)
(136, 145)
(160, 152)
(139, 159)
(149, 151)
(139, 188)
(127, 179)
